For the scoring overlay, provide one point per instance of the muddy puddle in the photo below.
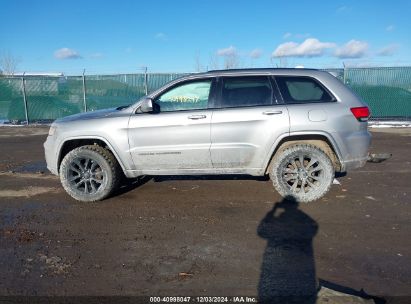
(32, 167)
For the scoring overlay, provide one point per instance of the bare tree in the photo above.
(231, 58)
(283, 62)
(8, 63)
(198, 67)
(231, 61)
(214, 62)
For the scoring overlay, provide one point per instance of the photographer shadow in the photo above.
(288, 269)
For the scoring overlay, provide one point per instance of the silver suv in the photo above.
(299, 126)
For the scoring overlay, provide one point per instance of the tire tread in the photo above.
(291, 149)
(112, 162)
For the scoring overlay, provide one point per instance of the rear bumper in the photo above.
(355, 152)
(354, 163)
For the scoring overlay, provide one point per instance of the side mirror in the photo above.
(146, 106)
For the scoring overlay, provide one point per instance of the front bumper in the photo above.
(51, 155)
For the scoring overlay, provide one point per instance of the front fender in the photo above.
(91, 138)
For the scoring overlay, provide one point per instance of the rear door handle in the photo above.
(272, 112)
(194, 117)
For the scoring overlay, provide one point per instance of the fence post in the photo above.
(344, 73)
(23, 88)
(145, 80)
(84, 91)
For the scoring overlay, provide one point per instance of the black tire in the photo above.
(305, 183)
(89, 173)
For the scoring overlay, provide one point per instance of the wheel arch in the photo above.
(74, 142)
(321, 140)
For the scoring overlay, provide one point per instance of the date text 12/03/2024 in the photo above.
(204, 299)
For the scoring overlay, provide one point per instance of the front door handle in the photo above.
(272, 112)
(194, 117)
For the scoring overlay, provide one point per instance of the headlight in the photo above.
(52, 130)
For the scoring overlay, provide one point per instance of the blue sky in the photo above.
(178, 36)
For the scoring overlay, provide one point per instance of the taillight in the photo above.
(361, 113)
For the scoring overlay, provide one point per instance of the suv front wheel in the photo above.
(89, 173)
(304, 172)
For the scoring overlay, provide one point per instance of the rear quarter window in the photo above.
(302, 90)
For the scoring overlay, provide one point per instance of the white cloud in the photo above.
(66, 53)
(388, 50)
(390, 28)
(352, 49)
(230, 51)
(311, 47)
(161, 36)
(287, 35)
(256, 53)
(96, 55)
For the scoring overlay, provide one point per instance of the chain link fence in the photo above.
(37, 99)
(386, 90)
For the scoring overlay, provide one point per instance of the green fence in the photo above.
(42, 99)
(48, 98)
(386, 90)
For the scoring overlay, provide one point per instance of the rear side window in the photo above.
(302, 90)
(246, 91)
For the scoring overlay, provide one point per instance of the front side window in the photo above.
(246, 91)
(302, 90)
(189, 96)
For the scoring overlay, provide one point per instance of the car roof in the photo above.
(259, 71)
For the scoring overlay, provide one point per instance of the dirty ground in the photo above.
(210, 236)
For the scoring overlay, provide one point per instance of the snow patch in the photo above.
(390, 124)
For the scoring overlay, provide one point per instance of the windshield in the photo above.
(129, 105)
(123, 107)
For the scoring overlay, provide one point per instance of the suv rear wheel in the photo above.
(302, 171)
(89, 173)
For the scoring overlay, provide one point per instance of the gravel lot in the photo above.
(203, 235)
